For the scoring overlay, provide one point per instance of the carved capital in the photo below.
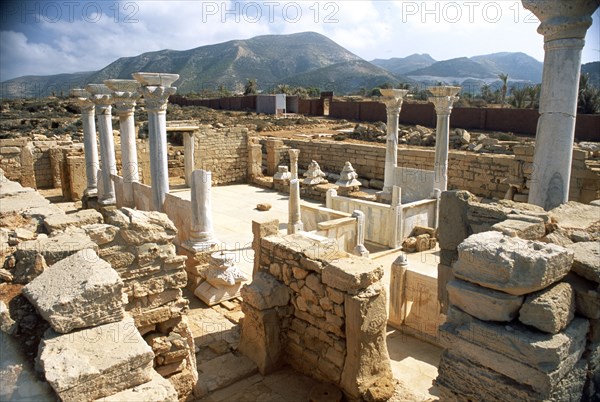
(443, 104)
(562, 19)
(103, 103)
(125, 101)
(294, 153)
(157, 97)
(393, 105)
(86, 105)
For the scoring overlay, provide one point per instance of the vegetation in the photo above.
(588, 101)
(251, 87)
(504, 78)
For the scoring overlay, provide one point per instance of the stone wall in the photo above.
(485, 175)
(224, 152)
(319, 309)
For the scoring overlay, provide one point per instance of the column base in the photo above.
(200, 246)
(212, 295)
(295, 228)
(385, 197)
(361, 251)
(90, 192)
(107, 201)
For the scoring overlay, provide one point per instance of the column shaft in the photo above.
(91, 149)
(159, 167)
(107, 152)
(442, 139)
(188, 152)
(391, 148)
(129, 161)
(294, 217)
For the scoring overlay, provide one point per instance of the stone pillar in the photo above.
(202, 236)
(392, 98)
(254, 158)
(125, 96)
(156, 89)
(294, 218)
(360, 248)
(397, 308)
(294, 154)
(90, 144)
(102, 98)
(189, 142)
(274, 150)
(443, 98)
(564, 25)
(348, 182)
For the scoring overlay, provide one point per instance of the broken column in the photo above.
(223, 281)
(360, 248)
(102, 98)
(202, 237)
(347, 182)
(156, 89)
(564, 25)
(125, 97)
(281, 179)
(443, 98)
(392, 98)
(90, 145)
(294, 154)
(189, 142)
(294, 218)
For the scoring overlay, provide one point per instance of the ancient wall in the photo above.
(224, 152)
(321, 310)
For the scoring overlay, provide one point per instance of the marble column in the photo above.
(392, 98)
(443, 98)
(90, 144)
(563, 25)
(125, 96)
(102, 98)
(156, 89)
(294, 218)
(360, 248)
(294, 153)
(202, 236)
(189, 142)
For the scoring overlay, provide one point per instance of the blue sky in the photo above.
(50, 37)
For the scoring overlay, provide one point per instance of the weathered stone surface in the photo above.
(453, 226)
(158, 389)
(352, 275)
(586, 261)
(265, 292)
(7, 324)
(139, 227)
(521, 228)
(265, 206)
(77, 292)
(78, 368)
(366, 320)
(261, 338)
(510, 264)
(549, 310)
(52, 249)
(6, 275)
(61, 222)
(222, 371)
(575, 216)
(587, 296)
(482, 303)
(557, 237)
(101, 233)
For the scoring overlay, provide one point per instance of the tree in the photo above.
(518, 96)
(486, 93)
(504, 78)
(251, 87)
(533, 94)
(588, 101)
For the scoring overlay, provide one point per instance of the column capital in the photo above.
(101, 95)
(562, 19)
(125, 102)
(157, 97)
(86, 105)
(443, 104)
(392, 105)
(294, 153)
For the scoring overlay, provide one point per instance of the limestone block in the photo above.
(454, 226)
(52, 249)
(482, 303)
(61, 222)
(78, 292)
(369, 369)
(260, 338)
(549, 310)
(521, 343)
(510, 264)
(117, 256)
(158, 389)
(521, 228)
(575, 216)
(352, 274)
(139, 227)
(265, 292)
(586, 261)
(95, 362)
(156, 283)
(101, 233)
(222, 371)
(557, 237)
(587, 296)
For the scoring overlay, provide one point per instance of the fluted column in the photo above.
(443, 98)
(125, 97)
(294, 154)
(392, 98)
(90, 145)
(564, 25)
(102, 98)
(156, 89)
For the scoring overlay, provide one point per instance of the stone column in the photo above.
(156, 89)
(102, 98)
(294, 218)
(392, 98)
(125, 96)
(360, 248)
(564, 25)
(202, 237)
(294, 154)
(189, 141)
(443, 98)
(90, 144)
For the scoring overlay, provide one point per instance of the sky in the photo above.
(52, 37)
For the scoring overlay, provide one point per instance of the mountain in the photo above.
(33, 86)
(404, 65)
(518, 66)
(593, 70)
(462, 67)
(270, 59)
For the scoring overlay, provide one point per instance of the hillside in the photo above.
(404, 65)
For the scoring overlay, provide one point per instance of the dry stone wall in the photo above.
(224, 152)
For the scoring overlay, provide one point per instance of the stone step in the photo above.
(223, 371)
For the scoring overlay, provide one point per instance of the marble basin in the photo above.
(122, 85)
(79, 93)
(393, 93)
(98, 89)
(156, 79)
(444, 91)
